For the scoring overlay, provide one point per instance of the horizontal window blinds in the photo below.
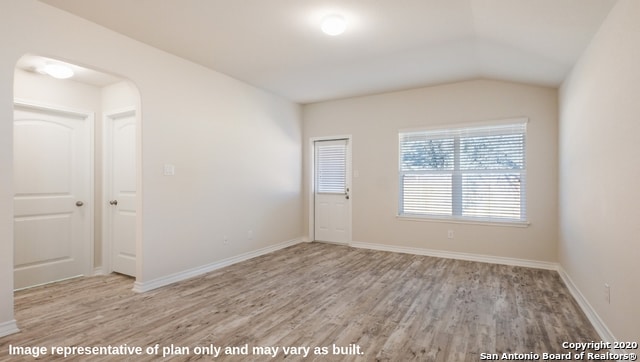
(331, 166)
(473, 172)
(428, 194)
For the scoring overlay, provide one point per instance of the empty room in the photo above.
(415, 180)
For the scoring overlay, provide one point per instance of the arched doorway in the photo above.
(69, 162)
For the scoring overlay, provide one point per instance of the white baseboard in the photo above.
(141, 287)
(601, 328)
(8, 327)
(457, 255)
(98, 271)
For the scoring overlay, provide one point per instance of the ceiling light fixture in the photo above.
(334, 25)
(58, 71)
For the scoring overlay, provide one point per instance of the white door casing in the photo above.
(331, 185)
(53, 208)
(120, 191)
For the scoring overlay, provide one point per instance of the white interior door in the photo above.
(331, 196)
(52, 201)
(121, 195)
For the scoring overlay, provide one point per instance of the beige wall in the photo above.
(50, 91)
(236, 148)
(600, 169)
(374, 121)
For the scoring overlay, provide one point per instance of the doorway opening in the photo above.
(70, 158)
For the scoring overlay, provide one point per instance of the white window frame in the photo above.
(456, 216)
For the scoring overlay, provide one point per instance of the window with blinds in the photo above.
(331, 166)
(475, 173)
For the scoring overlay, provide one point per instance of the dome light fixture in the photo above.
(334, 25)
(58, 71)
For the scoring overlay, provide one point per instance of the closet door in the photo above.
(121, 184)
(52, 203)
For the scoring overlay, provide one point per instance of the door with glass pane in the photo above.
(331, 196)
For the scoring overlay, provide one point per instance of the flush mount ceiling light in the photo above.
(58, 71)
(333, 25)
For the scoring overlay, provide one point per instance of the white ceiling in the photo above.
(389, 44)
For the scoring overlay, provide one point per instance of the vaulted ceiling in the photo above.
(388, 45)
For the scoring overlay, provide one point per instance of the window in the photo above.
(331, 166)
(471, 173)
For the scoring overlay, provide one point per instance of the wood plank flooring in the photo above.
(394, 307)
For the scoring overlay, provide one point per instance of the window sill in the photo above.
(517, 224)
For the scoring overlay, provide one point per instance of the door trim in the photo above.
(312, 184)
(107, 241)
(88, 251)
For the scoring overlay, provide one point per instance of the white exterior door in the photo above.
(52, 202)
(121, 195)
(331, 197)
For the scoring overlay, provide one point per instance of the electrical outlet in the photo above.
(225, 239)
(250, 234)
(169, 170)
(450, 234)
(607, 293)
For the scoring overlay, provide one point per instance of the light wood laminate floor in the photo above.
(395, 307)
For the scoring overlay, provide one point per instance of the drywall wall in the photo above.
(50, 91)
(599, 169)
(7, 323)
(119, 96)
(374, 121)
(236, 148)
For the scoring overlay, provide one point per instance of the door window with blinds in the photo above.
(470, 173)
(331, 166)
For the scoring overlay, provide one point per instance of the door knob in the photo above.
(79, 203)
(113, 202)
